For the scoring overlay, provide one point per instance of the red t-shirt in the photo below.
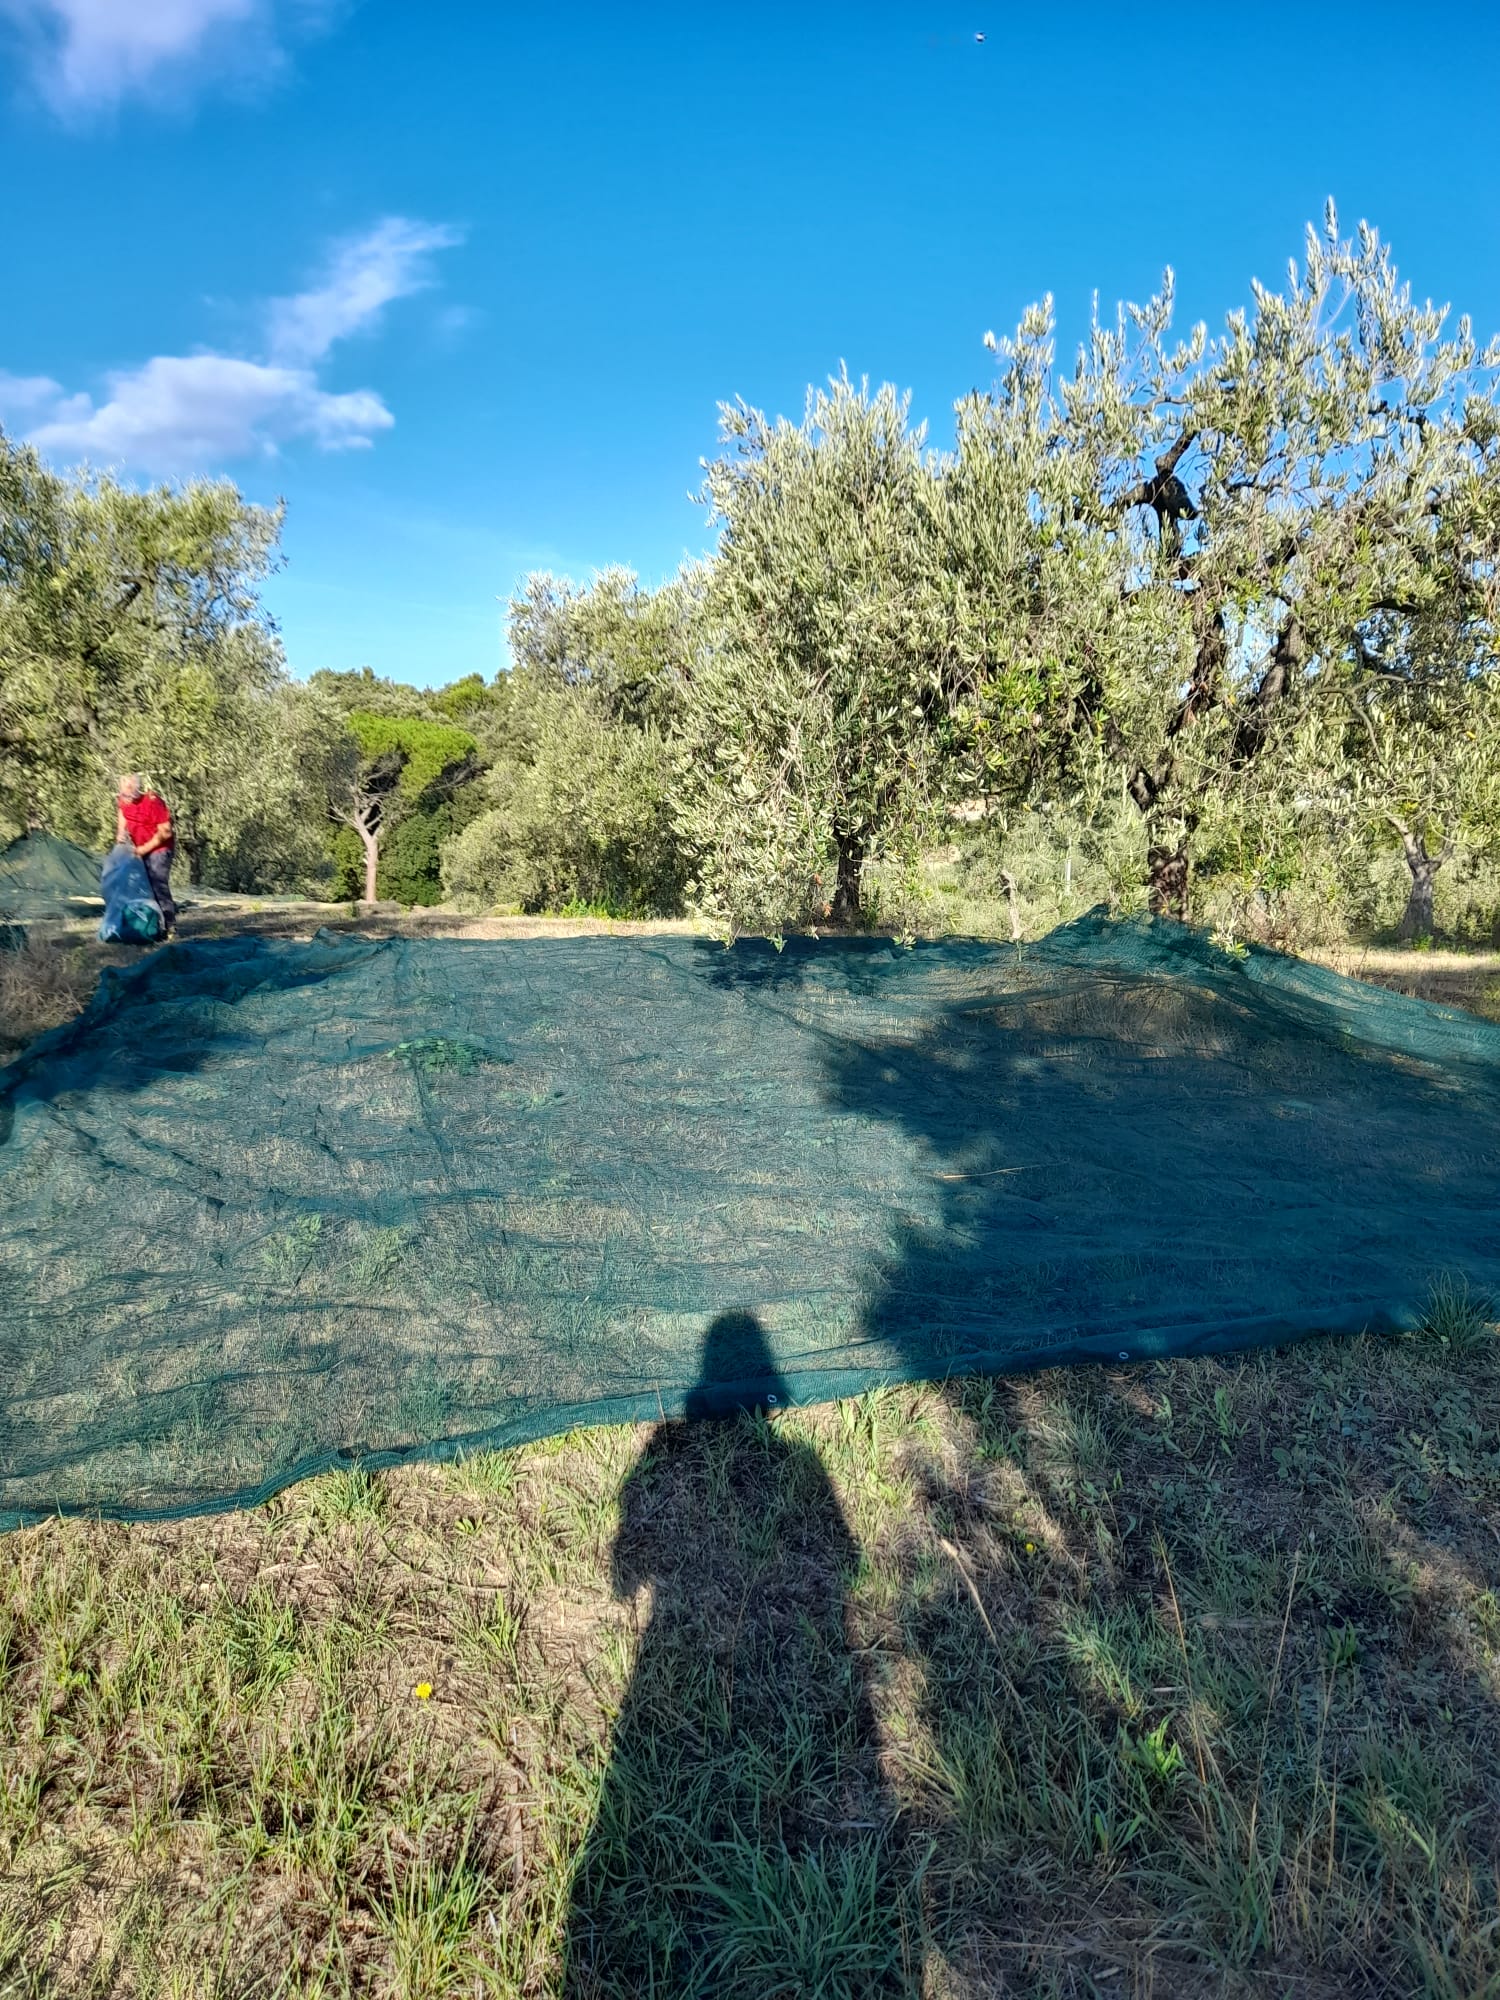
(143, 816)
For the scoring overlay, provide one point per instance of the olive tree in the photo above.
(1409, 755)
(824, 709)
(586, 819)
(1230, 522)
(627, 646)
(123, 614)
(268, 826)
(205, 737)
(577, 737)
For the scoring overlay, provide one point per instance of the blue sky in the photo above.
(466, 283)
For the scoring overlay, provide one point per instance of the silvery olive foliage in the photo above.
(579, 790)
(830, 708)
(1167, 577)
(130, 634)
(1243, 539)
(585, 821)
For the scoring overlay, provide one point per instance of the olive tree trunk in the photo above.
(1167, 881)
(1416, 918)
(847, 907)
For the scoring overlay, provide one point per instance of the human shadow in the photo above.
(744, 1837)
(1106, 1156)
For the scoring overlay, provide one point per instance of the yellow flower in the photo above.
(423, 1690)
(1031, 1548)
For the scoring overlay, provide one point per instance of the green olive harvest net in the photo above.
(269, 1206)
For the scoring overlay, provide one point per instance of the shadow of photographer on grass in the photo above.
(744, 1837)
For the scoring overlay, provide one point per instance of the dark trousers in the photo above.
(158, 865)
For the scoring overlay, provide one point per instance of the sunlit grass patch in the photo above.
(348, 1494)
(1178, 1679)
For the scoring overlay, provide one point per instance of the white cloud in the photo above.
(186, 410)
(390, 262)
(88, 54)
(181, 413)
(27, 392)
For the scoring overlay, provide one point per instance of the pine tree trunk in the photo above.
(371, 844)
(846, 900)
(1167, 880)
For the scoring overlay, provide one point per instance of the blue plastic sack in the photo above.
(131, 913)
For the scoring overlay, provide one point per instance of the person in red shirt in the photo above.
(145, 821)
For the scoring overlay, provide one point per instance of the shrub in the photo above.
(588, 822)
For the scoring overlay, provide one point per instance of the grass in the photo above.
(1454, 978)
(1174, 1680)
(42, 984)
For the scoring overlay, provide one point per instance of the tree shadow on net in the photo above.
(744, 1839)
(1146, 1168)
(755, 965)
(1176, 1706)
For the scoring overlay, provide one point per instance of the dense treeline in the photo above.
(1209, 617)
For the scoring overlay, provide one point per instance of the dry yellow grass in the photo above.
(42, 984)
(1469, 979)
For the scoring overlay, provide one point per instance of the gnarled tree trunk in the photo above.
(1152, 786)
(846, 899)
(1167, 881)
(1416, 918)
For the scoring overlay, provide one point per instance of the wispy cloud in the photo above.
(86, 55)
(21, 393)
(180, 413)
(365, 275)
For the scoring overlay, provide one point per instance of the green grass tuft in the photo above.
(1456, 1316)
